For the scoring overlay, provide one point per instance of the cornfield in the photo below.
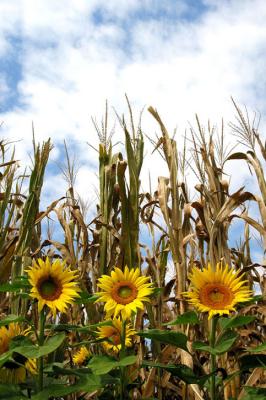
(107, 312)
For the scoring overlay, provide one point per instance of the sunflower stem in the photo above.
(42, 318)
(122, 355)
(213, 357)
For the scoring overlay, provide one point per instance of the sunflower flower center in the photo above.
(49, 288)
(124, 292)
(216, 295)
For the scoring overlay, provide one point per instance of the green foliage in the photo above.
(87, 383)
(177, 339)
(252, 393)
(236, 322)
(182, 372)
(189, 317)
(13, 392)
(11, 319)
(101, 365)
(222, 345)
(17, 284)
(31, 350)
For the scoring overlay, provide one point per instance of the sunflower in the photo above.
(53, 284)
(217, 292)
(112, 333)
(14, 371)
(81, 356)
(124, 292)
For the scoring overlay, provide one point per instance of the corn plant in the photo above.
(107, 311)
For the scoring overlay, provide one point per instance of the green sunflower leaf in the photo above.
(11, 319)
(183, 372)
(20, 341)
(14, 287)
(225, 341)
(235, 322)
(103, 364)
(201, 346)
(129, 360)
(88, 383)
(189, 317)
(177, 339)
(223, 344)
(34, 351)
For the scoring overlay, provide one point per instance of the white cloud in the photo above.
(10, 23)
(71, 64)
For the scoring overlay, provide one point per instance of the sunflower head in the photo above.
(81, 356)
(124, 292)
(53, 285)
(218, 291)
(112, 335)
(14, 371)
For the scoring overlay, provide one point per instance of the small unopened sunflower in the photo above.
(112, 333)
(124, 292)
(81, 356)
(53, 284)
(14, 371)
(217, 292)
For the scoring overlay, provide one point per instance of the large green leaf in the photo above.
(11, 319)
(224, 344)
(14, 287)
(201, 346)
(235, 322)
(177, 339)
(129, 360)
(252, 393)
(189, 317)
(183, 372)
(103, 364)
(88, 383)
(34, 351)
(225, 341)
(30, 350)
(81, 372)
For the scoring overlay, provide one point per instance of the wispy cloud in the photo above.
(65, 58)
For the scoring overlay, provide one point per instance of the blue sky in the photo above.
(17, 40)
(60, 61)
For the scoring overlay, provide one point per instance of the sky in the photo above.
(60, 60)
